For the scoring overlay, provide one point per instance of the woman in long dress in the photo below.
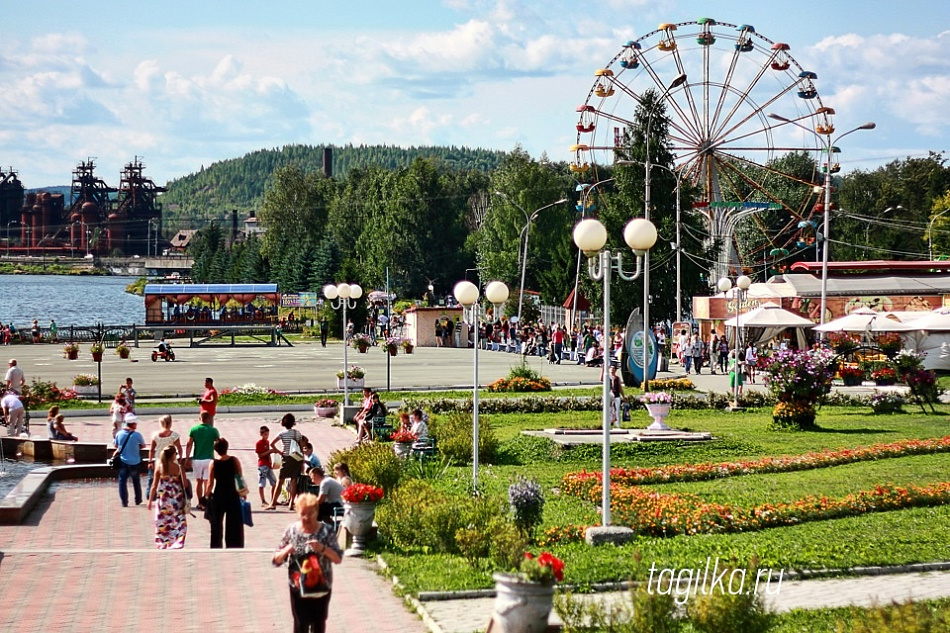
(168, 488)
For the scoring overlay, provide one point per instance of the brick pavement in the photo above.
(81, 562)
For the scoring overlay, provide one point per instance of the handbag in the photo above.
(115, 461)
(240, 485)
(295, 453)
(308, 576)
(246, 516)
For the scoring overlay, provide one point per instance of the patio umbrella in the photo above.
(858, 321)
(769, 315)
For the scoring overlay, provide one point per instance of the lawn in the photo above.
(884, 538)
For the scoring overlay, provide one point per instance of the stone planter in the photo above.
(658, 412)
(325, 412)
(358, 520)
(352, 383)
(86, 390)
(521, 606)
(402, 449)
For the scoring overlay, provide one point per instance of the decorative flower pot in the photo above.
(393, 350)
(325, 412)
(358, 519)
(362, 348)
(97, 357)
(852, 381)
(352, 383)
(402, 449)
(521, 606)
(885, 382)
(123, 353)
(86, 390)
(658, 412)
(72, 355)
(408, 349)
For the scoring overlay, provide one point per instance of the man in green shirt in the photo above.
(202, 437)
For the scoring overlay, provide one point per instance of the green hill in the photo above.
(239, 183)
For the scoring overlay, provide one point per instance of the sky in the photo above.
(185, 84)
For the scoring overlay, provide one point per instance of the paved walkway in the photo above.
(81, 562)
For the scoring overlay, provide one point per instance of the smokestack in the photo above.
(233, 226)
(328, 162)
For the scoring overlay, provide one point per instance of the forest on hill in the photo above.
(240, 183)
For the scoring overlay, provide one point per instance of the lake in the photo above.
(71, 300)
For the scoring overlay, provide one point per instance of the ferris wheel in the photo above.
(719, 127)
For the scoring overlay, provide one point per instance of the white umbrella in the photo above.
(936, 321)
(769, 315)
(862, 320)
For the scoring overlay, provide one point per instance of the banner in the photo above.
(631, 357)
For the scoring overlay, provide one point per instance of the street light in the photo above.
(466, 293)
(8, 234)
(148, 237)
(867, 226)
(529, 218)
(830, 149)
(585, 190)
(340, 296)
(743, 283)
(930, 234)
(590, 236)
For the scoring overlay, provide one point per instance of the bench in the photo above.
(380, 429)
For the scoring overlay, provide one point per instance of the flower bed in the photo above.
(520, 384)
(362, 493)
(651, 513)
(884, 376)
(581, 483)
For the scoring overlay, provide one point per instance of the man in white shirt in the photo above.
(15, 379)
(14, 413)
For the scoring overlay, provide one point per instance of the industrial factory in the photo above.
(94, 219)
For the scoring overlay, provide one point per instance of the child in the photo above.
(265, 473)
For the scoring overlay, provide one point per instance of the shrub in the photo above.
(672, 384)
(522, 378)
(646, 612)
(908, 617)
(374, 464)
(41, 392)
(508, 545)
(453, 433)
(796, 416)
(418, 516)
(882, 402)
(740, 611)
(527, 504)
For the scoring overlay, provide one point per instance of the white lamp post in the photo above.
(743, 283)
(590, 236)
(343, 296)
(529, 218)
(466, 293)
(830, 149)
(930, 234)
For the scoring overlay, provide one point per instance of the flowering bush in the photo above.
(673, 384)
(360, 493)
(326, 403)
(851, 374)
(250, 389)
(656, 397)
(798, 379)
(546, 568)
(96, 348)
(41, 392)
(403, 437)
(923, 386)
(520, 384)
(355, 372)
(843, 342)
(885, 402)
(889, 343)
(884, 376)
(360, 340)
(85, 380)
(527, 504)
(581, 483)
